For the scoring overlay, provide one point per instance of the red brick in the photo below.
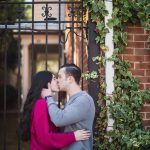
(128, 51)
(146, 122)
(140, 37)
(135, 30)
(132, 65)
(142, 86)
(131, 44)
(147, 115)
(137, 72)
(147, 86)
(142, 115)
(138, 30)
(129, 29)
(142, 65)
(142, 52)
(147, 102)
(137, 25)
(139, 44)
(147, 58)
(136, 44)
(145, 109)
(130, 37)
(145, 79)
(133, 58)
(147, 72)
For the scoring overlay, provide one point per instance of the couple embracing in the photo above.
(41, 118)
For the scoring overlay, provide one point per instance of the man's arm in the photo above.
(72, 113)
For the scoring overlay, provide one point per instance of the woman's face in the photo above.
(54, 84)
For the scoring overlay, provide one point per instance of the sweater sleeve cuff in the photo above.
(72, 136)
(50, 100)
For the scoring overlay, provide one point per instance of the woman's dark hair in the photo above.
(73, 70)
(40, 80)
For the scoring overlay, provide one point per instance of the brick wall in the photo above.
(138, 53)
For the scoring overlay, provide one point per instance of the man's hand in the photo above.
(46, 92)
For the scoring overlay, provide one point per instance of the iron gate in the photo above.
(28, 41)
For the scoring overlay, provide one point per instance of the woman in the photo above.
(35, 124)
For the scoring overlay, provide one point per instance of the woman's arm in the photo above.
(45, 136)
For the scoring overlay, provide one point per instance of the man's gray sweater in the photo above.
(78, 114)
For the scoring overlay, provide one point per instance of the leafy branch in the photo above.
(128, 131)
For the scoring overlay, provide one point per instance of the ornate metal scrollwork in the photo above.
(74, 12)
(46, 10)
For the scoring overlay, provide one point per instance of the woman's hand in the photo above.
(46, 92)
(82, 135)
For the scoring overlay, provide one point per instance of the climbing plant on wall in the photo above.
(127, 99)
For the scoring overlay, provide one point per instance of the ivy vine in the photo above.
(127, 99)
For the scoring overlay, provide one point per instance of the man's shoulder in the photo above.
(86, 96)
(84, 93)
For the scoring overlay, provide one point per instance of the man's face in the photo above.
(62, 80)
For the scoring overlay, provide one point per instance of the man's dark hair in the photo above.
(73, 70)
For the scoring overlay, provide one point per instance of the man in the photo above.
(79, 110)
